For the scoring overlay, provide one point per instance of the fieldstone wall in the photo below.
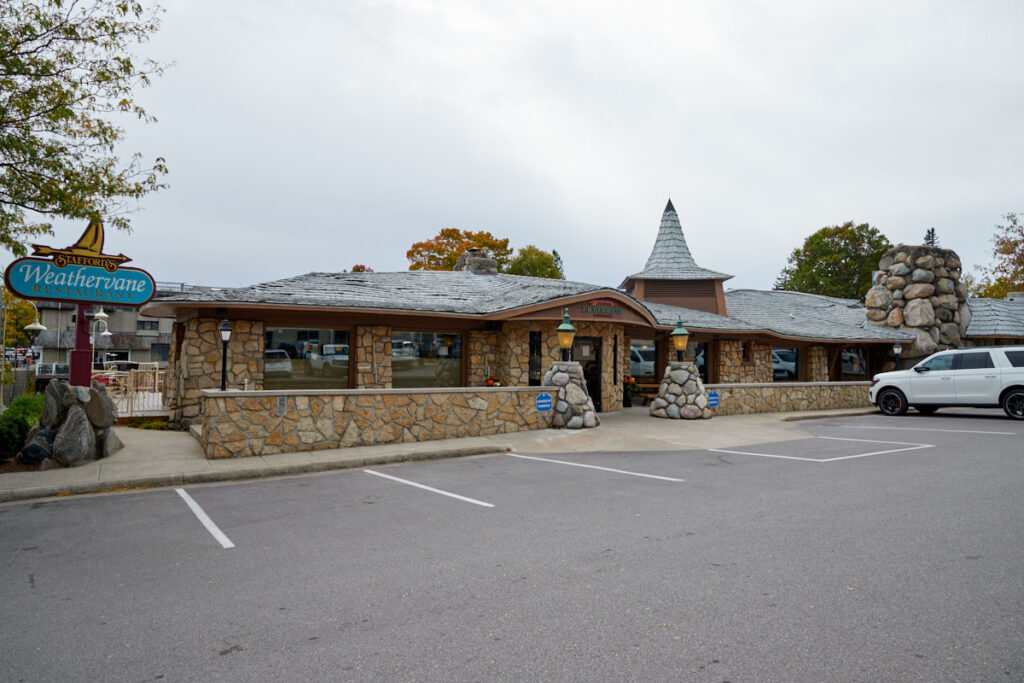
(240, 424)
(372, 346)
(514, 343)
(743, 399)
(483, 358)
(732, 368)
(198, 365)
(919, 291)
(817, 363)
(574, 409)
(681, 394)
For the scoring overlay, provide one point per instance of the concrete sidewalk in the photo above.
(166, 458)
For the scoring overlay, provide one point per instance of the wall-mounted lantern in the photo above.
(566, 334)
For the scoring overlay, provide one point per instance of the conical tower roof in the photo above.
(670, 258)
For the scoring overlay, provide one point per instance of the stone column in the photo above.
(574, 408)
(681, 394)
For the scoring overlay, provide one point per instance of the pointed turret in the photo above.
(678, 278)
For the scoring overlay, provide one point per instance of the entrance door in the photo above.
(587, 351)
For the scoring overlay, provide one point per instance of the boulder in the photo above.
(575, 423)
(895, 318)
(896, 282)
(107, 443)
(75, 443)
(38, 447)
(100, 409)
(945, 286)
(55, 404)
(924, 345)
(927, 261)
(919, 313)
(922, 275)
(690, 412)
(672, 411)
(918, 291)
(944, 315)
(575, 395)
(876, 314)
(590, 419)
(898, 269)
(949, 333)
(878, 297)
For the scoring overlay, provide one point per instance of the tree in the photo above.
(66, 72)
(835, 261)
(442, 251)
(360, 268)
(537, 263)
(1007, 273)
(930, 238)
(16, 314)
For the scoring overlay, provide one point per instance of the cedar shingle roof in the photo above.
(670, 258)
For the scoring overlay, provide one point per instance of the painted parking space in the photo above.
(833, 449)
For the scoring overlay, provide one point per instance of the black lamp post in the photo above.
(680, 336)
(566, 333)
(897, 349)
(225, 337)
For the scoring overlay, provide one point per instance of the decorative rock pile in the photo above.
(574, 408)
(681, 394)
(919, 291)
(74, 429)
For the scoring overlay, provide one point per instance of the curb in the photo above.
(181, 479)
(844, 413)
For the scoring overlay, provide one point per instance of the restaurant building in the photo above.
(474, 327)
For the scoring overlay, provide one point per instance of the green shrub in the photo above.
(28, 407)
(13, 431)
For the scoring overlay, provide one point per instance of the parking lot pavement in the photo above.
(660, 565)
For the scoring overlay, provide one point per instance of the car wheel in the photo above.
(892, 402)
(1013, 403)
(926, 410)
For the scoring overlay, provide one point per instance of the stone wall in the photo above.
(918, 290)
(198, 364)
(742, 399)
(483, 358)
(515, 354)
(239, 424)
(817, 363)
(372, 346)
(732, 367)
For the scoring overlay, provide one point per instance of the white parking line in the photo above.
(205, 519)
(594, 467)
(908, 447)
(928, 429)
(430, 488)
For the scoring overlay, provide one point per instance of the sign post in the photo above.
(84, 275)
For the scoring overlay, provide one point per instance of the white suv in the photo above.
(983, 377)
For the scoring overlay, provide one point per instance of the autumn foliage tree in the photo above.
(835, 261)
(17, 314)
(1007, 272)
(536, 263)
(67, 73)
(441, 252)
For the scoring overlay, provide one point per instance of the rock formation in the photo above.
(574, 408)
(918, 290)
(681, 394)
(75, 428)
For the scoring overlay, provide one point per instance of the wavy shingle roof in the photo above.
(996, 318)
(670, 258)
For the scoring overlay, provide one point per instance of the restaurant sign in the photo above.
(80, 273)
(602, 307)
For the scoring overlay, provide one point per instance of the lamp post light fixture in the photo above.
(680, 336)
(225, 337)
(35, 326)
(897, 349)
(566, 334)
(100, 319)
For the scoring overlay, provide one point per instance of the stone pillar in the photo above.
(681, 394)
(373, 357)
(574, 408)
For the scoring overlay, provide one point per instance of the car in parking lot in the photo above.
(276, 363)
(332, 360)
(982, 377)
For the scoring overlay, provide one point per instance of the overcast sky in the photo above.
(315, 135)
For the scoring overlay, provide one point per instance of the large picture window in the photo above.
(302, 358)
(852, 365)
(426, 359)
(642, 356)
(785, 365)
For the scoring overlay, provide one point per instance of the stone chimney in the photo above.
(477, 261)
(918, 290)
(1015, 296)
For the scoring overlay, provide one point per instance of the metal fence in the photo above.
(135, 392)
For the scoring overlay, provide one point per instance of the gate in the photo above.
(135, 392)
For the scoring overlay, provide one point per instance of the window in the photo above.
(785, 365)
(426, 359)
(939, 363)
(698, 353)
(1016, 358)
(975, 360)
(160, 353)
(305, 359)
(747, 352)
(642, 356)
(535, 360)
(147, 325)
(852, 366)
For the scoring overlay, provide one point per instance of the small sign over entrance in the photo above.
(544, 402)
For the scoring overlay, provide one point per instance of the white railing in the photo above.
(135, 392)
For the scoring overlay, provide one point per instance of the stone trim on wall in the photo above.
(372, 346)
(771, 397)
(239, 423)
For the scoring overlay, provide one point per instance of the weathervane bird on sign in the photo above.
(87, 251)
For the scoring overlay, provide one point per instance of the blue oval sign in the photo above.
(32, 278)
(712, 399)
(544, 402)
